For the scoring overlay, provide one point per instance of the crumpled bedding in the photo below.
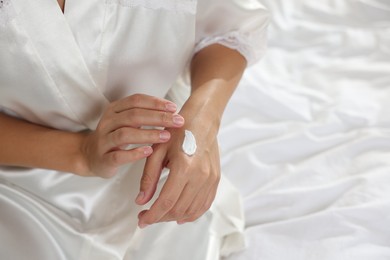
(306, 137)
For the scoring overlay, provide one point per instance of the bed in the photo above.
(306, 137)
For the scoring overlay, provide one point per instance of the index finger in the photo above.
(144, 101)
(167, 199)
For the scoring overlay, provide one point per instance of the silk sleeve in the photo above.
(236, 24)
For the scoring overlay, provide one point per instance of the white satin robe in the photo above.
(61, 70)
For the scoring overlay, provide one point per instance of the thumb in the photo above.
(151, 175)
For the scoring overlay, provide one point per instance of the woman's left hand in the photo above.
(192, 182)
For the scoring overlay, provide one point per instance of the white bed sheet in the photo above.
(306, 137)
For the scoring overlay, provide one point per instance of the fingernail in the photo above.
(178, 120)
(171, 107)
(142, 225)
(140, 196)
(181, 222)
(165, 135)
(148, 150)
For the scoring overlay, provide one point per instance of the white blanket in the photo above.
(306, 138)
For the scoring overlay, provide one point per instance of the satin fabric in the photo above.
(62, 70)
(316, 149)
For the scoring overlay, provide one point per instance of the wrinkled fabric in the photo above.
(313, 159)
(62, 70)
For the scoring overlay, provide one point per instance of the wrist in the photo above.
(202, 109)
(79, 156)
(202, 123)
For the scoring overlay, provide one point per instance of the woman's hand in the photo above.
(192, 182)
(120, 126)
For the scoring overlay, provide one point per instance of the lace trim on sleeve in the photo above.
(7, 13)
(186, 6)
(252, 47)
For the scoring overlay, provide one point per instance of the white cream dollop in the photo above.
(189, 143)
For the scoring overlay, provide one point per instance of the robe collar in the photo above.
(56, 46)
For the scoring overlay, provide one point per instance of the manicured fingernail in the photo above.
(142, 225)
(178, 120)
(140, 196)
(171, 107)
(165, 135)
(148, 150)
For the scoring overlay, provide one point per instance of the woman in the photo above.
(82, 87)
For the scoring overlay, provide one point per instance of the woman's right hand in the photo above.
(120, 126)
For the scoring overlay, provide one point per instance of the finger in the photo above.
(143, 101)
(195, 191)
(127, 135)
(167, 199)
(197, 210)
(138, 117)
(202, 203)
(192, 199)
(190, 194)
(120, 157)
(151, 175)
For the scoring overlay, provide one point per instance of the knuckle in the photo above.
(164, 117)
(213, 178)
(146, 180)
(135, 117)
(136, 99)
(191, 212)
(115, 159)
(120, 136)
(134, 156)
(167, 204)
(103, 124)
(184, 171)
(133, 114)
(157, 104)
(206, 168)
(176, 213)
(203, 177)
(172, 215)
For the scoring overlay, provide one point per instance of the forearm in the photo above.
(215, 74)
(29, 145)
